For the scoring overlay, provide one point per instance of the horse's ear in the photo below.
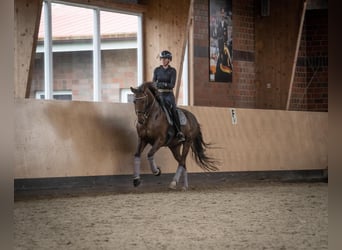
(134, 90)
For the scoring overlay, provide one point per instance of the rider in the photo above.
(164, 78)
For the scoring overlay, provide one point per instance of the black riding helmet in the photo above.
(166, 54)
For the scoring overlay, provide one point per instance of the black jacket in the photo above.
(165, 78)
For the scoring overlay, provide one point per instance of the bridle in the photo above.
(146, 109)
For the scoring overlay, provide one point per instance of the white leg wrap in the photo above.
(185, 176)
(153, 165)
(179, 171)
(136, 167)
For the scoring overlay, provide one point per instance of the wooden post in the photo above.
(180, 71)
(27, 18)
(296, 56)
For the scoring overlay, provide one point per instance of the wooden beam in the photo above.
(191, 63)
(180, 72)
(296, 56)
(27, 18)
(125, 7)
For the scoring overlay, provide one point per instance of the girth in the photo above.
(165, 90)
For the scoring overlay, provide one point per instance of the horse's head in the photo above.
(143, 99)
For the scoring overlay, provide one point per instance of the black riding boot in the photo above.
(176, 122)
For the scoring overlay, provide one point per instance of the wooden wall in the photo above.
(165, 28)
(61, 139)
(275, 46)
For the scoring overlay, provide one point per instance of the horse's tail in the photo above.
(198, 152)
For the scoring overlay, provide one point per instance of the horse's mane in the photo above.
(148, 85)
(145, 85)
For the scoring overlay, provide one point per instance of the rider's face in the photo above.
(164, 61)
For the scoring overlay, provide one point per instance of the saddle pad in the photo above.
(182, 117)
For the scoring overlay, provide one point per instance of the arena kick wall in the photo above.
(62, 139)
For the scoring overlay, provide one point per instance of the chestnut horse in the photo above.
(154, 128)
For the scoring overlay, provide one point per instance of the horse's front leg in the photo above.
(150, 157)
(137, 162)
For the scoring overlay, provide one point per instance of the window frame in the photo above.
(48, 54)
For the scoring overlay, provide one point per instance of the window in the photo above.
(126, 95)
(57, 95)
(90, 52)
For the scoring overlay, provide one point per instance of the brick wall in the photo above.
(241, 91)
(73, 71)
(310, 87)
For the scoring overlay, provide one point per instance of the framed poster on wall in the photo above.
(220, 41)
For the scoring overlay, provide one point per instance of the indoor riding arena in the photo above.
(253, 73)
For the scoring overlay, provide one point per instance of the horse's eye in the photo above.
(134, 101)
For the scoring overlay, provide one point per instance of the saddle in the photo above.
(181, 115)
(182, 118)
(171, 130)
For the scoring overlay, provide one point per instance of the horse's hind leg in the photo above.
(185, 179)
(175, 179)
(181, 170)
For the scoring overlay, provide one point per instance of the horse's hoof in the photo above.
(184, 189)
(136, 182)
(173, 185)
(158, 172)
